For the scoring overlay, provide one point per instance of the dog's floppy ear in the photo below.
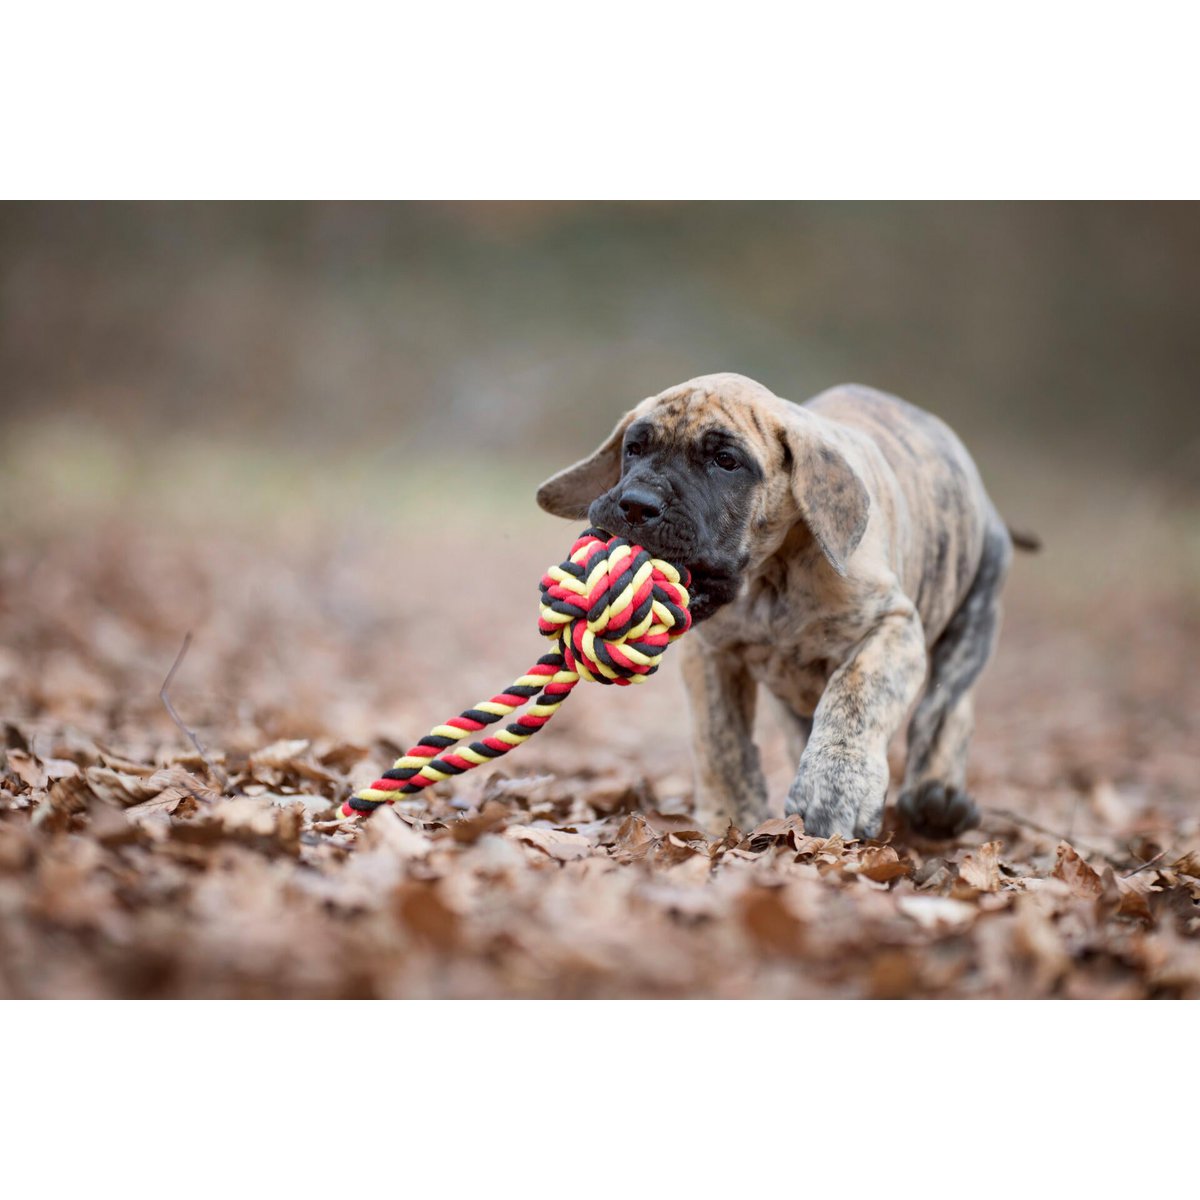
(572, 490)
(831, 495)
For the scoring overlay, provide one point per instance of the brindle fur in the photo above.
(849, 558)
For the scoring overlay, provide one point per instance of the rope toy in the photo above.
(611, 611)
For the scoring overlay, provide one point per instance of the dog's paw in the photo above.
(839, 790)
(938, 811)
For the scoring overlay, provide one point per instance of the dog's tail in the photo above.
(1029, 542)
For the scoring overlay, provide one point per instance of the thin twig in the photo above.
(164, 696)
(1148, 863)
(1017, 819)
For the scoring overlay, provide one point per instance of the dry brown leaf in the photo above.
(881, 864)
(770, 920)
(672, 822)
(937, 912)
(387, 828)
(426, 914)
(255, 822)
(26, 768)
(123, 765)
(71, 795)
(115, 827)
(280, 755)
(775, 831)
(60, 768)
(1188, 864)
(980, 869)
(635, 839)
(1133, 892)
(166, 801)
(614, 796)
(825, 849)
(1082, 879)
(558, 845)
(894, 975)
(342, 756)
(120, 789)
(470, 829)
(1042, 946)
(934, 875)
(679, 847)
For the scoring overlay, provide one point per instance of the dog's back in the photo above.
(943, 515)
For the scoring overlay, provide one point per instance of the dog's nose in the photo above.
(640, 507)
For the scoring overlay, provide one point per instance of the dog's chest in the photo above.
(791, 633)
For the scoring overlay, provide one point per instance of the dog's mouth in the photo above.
(711, 588)
(713, 583)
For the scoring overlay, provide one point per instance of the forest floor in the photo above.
(333, 623)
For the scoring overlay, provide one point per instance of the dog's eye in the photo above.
(726, 461)
(633, 449)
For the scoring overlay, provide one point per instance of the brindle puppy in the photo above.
(843, 552)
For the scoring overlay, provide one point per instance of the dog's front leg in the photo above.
(729, 779)
(842, 782)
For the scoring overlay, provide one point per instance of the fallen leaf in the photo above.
(26, 768)
(1083, 881)
(558, 845)
(424, 912)
(281, 754)
(1133, 893)
(937, 912)
(343, 755)
(1036, 939)
(770, 832)
(882, 863)
(387, 828)
(120, 789)
(1189, 864)
(635, 839)
(679, 847)
(980, 868)
(255, 822)
(769, 919)
(467, 830)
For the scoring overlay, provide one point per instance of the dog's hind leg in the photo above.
(934, 802)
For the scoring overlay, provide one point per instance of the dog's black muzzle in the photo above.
(667, 531)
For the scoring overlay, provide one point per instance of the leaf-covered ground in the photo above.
(326, 639)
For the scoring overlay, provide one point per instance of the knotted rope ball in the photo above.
(611, 611)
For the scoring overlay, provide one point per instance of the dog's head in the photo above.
(712, 475)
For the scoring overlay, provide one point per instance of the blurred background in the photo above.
(521, 330)
(277, 424)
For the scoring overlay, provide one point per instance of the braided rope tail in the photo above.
(610, 608)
